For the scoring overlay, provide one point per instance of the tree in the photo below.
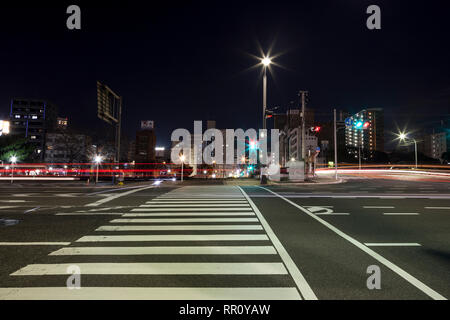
(13, 145)
(445, 157)
(72, 143)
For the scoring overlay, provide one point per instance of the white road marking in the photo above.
(181, 214)
(176, 237)
(393, 244)
(400, 213)
(332, 214)
(34, 243)
(181, 228)
(402, 273)
(295, 273)
(378, 207)
(176, 220)
(14, 201)
(195, 201)
(198, 199)
(194, 205)
(115, 196)
(184, 268)
(31, 210)
(219, 250)
(438, 208)
(87, 213)
(136, 293)
(190, 209)
(99, 209)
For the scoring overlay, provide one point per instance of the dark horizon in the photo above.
(189, 61)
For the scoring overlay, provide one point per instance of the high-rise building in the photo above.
(368, 138)
(62, 123)
(434, 145)
(32, 119)
(145, 146)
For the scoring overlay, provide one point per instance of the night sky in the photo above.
(176, 62)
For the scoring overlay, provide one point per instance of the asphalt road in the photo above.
(215, 241)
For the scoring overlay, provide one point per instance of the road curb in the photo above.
(306, 183)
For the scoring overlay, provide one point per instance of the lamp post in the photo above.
(97, 160)
(403, 137)
(265, 62)
(182, 157)
(13, 161)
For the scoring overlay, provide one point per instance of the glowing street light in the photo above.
(97, 160)
(266, 61)
(13, 161)
(403, 137)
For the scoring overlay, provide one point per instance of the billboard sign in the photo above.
(4, 127)
(108, 104)
(147, 124)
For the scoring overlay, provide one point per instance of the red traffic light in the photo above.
(317, 129)
(366, 124)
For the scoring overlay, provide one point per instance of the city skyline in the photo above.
(186, 76)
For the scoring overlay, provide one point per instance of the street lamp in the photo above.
(266, 61)
(182, 157)
(403, 136)
(97, 160)
(13, 161)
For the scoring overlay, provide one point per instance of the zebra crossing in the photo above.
(191, 243)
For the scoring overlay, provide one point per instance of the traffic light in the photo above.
(269, 114)
(361, 124)
(315, 129)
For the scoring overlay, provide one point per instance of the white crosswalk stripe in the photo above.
(189, 226)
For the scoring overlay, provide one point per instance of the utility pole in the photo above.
(359, 156)
(303, 96)
(335, 147)
(264, 96)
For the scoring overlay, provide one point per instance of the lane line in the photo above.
(31, 210)
(176, 237)
(300, 281)
(157, 268)
(402, 273)
(210, 250)
(400, 213)
(136, 293)
(332, 214)
(438, 208)
(34, 243)
(115, 196)
(176, 220)
(378, 207)
(186, 227)
(393, 244)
